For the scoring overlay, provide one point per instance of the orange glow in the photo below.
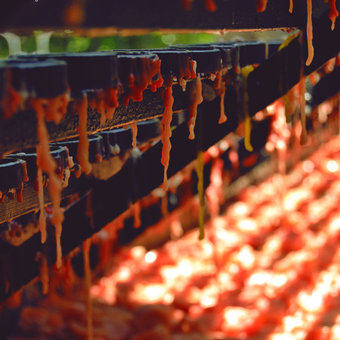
(237, 319)
(310, 302)
(150, 293)
(247, 224)
(308, 166)
(150, 257)
(267, 269)
(124, 274)
(335, 332)
(138, 252)
(332, 166)
(202, 276)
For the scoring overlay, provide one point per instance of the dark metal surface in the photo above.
(12, 175)
(15, 136)
(85, 71)
(327, 87)
(141, 174)
(34, 77)
(156, 14)
(273, 78)
(108, 199)
(283, 70)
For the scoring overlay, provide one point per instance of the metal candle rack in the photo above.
(279, 69)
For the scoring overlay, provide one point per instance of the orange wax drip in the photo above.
(223, 117)
(261, 5)
(309, 33)
(218, 80)
(191, 69)
(47, 164)
(88, 279)
(24, 170)
(333, 12)
(19, 192)
(83, 146)
(69, 276)
(210, 5)
(42, 217)
(337, 60)
(140, 81)
(44, 277)
(136, 211)
(166, 132)
(196, 99)
(187, 70)
(12, 101)
(56, 108)
(291, 6)
(105, 103)
(247, 121)
(111, 102)
(134, 131)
